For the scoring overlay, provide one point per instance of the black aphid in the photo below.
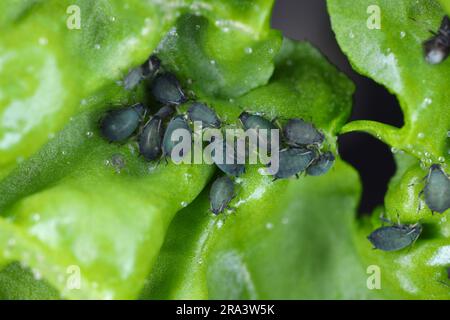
(165, 112)
(437, 189)
(228, 162)
(256, 122)
(321, 165)
(437, 48)
(221, 194)
(119, 124)
(177, 123)
(298, 132)
(147, 70)
(395, 237)
(201, 112)
(167, 90)
(151, 138)
(294, 161)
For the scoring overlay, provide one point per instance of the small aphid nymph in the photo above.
(120, 124)
(150, 139)
(221, 194)
(437, 48)
(147, 70)
(437, 189)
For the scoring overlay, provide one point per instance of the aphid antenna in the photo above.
(425, 25)
(444, 283)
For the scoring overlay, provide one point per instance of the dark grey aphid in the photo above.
(147, 70)
(437, 48)
(221, 194)
(254, 121)
(178, 122)
(167, 90)
(321, 165)
(298, 132)
(395, 237)
(119, 124)
(293, 161)
(228, 163)
(165, 112)
(437, 189)
(150, 139)
(201, 112)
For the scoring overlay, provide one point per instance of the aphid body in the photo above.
(227, 162)
(298, 132)
(201, 112)
(167, 90)
(119, 124)
(321, 165)
(395, 237)
(293, 161)
(177, 123)
(221, 194)
(437, 189)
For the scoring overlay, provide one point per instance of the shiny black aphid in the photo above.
(321, 165)
(294, 161)
(151, 138)
(395, 237)
(298, 132)
(147, 70)
(201, 112)
(167, 90)
(220, 195)
(228, 163)
(437, 48)
(437, 189)
(178, 122)
(119, 124)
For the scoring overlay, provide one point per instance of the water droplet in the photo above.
(89, 134)
(441, 159)
(269, 226)
(231, 100)
(97, 46)
(197, 26)
(248, 50)
(64, 152)
(420, 135)
(112, 19)
(226, 29)
(213, 62)
(36, 274)
(351, 35)
(35, 217)
(184, 204)
(219, 224)
(271, 50)
(200, 261)
(402, 34)
(394, 150)
(43, 41)
(427, 102)
(285, 221)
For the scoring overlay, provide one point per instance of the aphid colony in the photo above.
(154, 133)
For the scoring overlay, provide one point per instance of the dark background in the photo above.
(308, 20)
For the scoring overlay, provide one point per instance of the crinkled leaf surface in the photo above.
(287, 239)
(66, 206)
(393, 56)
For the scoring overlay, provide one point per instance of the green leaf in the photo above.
(393, 56)
(65, 204)
(289, 239)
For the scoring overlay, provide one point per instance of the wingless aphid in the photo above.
(120, 124)
(228, 163)
(221, 194)
(437, 189)
(294, 161)
(201, 112)
(395, 237)
(298, 133)
(147, 70)
(178, 122)
(437, 48)
(167, 90)
(254, 121)
(321, 165)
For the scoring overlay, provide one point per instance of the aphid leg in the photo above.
(297, 176)
(444, 283)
